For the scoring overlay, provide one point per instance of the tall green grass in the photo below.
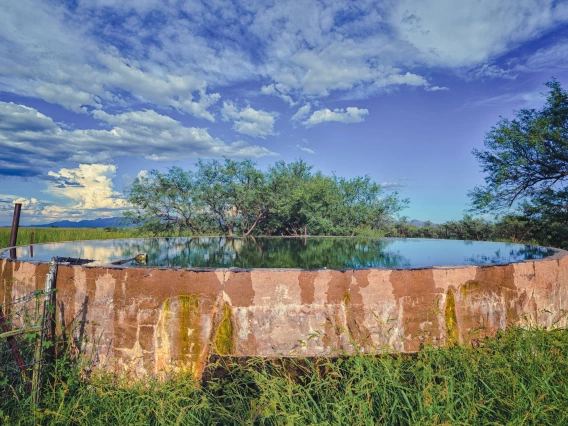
(51, 235)
(520, 377)
(54, 235)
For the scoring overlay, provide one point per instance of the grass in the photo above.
(49, 235)
(520, 377)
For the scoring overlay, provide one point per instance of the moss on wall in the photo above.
(224, 336)
(450, 318)
(189, 326)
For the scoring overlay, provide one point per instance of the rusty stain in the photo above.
(307, 287)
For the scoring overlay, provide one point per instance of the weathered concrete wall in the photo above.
(152, 321)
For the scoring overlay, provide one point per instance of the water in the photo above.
(305, 253)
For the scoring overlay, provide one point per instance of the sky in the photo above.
(94, 93)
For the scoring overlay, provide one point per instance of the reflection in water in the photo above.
(306, 253)
(331, 253)
(526, 252)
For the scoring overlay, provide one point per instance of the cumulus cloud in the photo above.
(249, 121)
(84, 192)
(347, 115)
(89, 186)
(31, 207)
(30, 142)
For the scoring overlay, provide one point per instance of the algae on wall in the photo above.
(189, 326)
(450, 318)
(224, 336)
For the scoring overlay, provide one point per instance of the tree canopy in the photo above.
(236, 198)
(526, 159)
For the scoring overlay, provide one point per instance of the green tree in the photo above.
(526, 162)
(526, 158)
(235, 194)
(237, 198)
(288, 183)
(326, 205)
(164, 201)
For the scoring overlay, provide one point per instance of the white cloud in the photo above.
(392, 185)
(467, 34)
(492, 71)
(27, 149)
(305, 149)
(302, 45)
(30, 207)
(279, 90)
(302, 112)
(182, 55)
(436, 88)
(61, 62)
(89, 186)
(348, 115)
(249, 121)
(142, 174)
(532, 99)
(84, 192)
(548, 59)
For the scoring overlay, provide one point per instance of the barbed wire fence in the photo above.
(27, 339)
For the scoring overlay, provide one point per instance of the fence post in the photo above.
(47, 322)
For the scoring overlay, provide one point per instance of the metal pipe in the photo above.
(15, 224)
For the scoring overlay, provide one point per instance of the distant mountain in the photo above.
(420, 223)
(93, 223)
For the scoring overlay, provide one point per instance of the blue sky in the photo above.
(92, 93)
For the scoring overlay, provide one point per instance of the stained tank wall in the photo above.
(153, 321)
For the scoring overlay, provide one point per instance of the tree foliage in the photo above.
(163, 201)
(526, 166)
(235, 194)
(236, 198)
(526, 158)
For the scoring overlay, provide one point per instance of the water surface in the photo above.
(305, 253)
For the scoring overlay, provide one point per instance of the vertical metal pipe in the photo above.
(15, 224)
(32, 244)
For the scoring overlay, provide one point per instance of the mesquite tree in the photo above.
(236, 198)
(526, 159)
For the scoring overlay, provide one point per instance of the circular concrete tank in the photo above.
(151, 320)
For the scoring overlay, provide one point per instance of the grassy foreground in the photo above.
(520, 377)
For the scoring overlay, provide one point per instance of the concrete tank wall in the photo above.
(153, 321)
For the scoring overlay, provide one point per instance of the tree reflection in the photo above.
(306, 253)
(527, 252)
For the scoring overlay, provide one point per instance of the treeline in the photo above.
(510, 228)
(235, 198)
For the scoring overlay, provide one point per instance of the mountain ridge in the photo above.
(102, 222)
